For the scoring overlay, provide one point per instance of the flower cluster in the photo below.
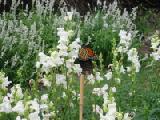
(65, 56)
(155, 45)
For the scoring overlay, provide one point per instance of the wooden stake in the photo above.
(81, 96)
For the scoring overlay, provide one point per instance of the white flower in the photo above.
(6, 105)
(70, 14)
(133, 57)
(18, 118)
(129, 69)
(38, 64)
(105, 25)
(19, 93)
(98, 77)
(34, 116)
(46, 82)
(125, 38)
(98, 91)
(34, 105)
(156, 54)
(97, 109)
(105, 87)
(69, 64)
(126, 117)
(113, 89)
(19, 108)
(5, 82)
(122, 70)
(46, 116)
(61, 80)
(118, 80)
(60, 29)
(16, 90)
(107, 117)
(132, 54)
(75, 44)
(77, 68)
(112, 109)
(124, 35)
(43, 107)
(101, 91)
(108, 75)
(44, 97)
(91, 78)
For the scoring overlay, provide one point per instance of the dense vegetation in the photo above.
(37, 52)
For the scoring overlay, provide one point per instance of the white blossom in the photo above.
(108, 75)
(34, 116)
(98, 77)
(19, 107)
(61, 80)
(6, 105)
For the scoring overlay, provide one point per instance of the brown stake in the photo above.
(81, 96)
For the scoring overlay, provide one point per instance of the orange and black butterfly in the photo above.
(86, 53)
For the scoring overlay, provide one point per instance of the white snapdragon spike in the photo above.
(57, 58)
(6, 105)
(108, 75)
(61, 80)
(34, 116)
(155, 42)
(133, 57)
(125, 41)
(16, 92)
(19, 107)
(91, 79)
(98, 77)
(63, 43)
(63, 36)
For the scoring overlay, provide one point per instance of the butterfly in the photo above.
(86, 53)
